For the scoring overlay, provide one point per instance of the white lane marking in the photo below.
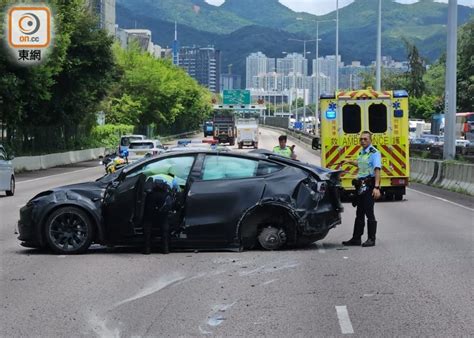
(320, 247)
(442, 199)
(159, 285)
(344, 320)
(345, 257)
(40, 178)
(62, 256)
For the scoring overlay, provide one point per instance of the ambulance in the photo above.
(346, 114)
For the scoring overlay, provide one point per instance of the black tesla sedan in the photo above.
(228, 200)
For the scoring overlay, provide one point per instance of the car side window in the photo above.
(266, 168)
(227, 167)
(178, 167)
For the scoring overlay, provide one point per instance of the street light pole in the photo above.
(337, 46)
(317, 74)
(317, 61)
(378, 78)
(304, 78)
(449, 149)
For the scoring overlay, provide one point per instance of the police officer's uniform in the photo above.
(159, 195)
(369, 159)
(285, 152)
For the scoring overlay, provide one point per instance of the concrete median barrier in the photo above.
(449, 175)
(30, 163)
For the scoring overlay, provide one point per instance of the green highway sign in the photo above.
(237, 96)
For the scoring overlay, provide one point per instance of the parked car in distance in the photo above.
(144, 148)
(230, 201)
(125, 141)
(7, 174)
(419, 141)
(463, 143)
(436, 140)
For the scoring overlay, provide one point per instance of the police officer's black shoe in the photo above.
(352, 242)
(369, 242)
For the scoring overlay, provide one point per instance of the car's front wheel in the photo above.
(11, 192)
(69, 230)
(271, 238)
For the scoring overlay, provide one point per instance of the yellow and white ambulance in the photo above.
(385, 114)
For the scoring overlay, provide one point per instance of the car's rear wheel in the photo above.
(11, 192)
(69, 230)
(271, 238)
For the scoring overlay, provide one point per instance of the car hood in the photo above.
(91, 190)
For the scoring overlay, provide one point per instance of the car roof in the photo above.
(143, 141)
(259, 154)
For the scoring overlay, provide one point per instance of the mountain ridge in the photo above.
(237, 28)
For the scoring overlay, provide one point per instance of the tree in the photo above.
(465, 69)
(416, 70)
(435, 77)
(166, 95)
(45, 106)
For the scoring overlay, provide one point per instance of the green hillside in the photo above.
(239, 27)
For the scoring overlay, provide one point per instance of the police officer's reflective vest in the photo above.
(169, 180)
(282, 152)
(363, 163)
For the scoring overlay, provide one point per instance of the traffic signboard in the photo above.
(236, 96)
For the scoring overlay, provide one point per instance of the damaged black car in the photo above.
(225, 201)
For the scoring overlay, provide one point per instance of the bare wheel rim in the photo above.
(68, 231)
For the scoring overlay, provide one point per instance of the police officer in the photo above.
(367, 190)
(159, 201)
(283, 150)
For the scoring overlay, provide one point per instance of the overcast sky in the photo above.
(320, 7)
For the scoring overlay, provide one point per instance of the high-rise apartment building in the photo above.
(292, 63)
(257, 64)
(327, 66)
(105, 10)
(203, 64)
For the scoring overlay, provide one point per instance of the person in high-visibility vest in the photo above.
(159, 199)
(367, 187)
(283, 150)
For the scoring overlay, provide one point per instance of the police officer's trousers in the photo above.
(365, 208)
(158, 204)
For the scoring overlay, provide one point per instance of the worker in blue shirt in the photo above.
(367, 187)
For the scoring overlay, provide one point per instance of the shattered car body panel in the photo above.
(226, 200)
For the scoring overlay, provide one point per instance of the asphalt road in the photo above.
(417, 281)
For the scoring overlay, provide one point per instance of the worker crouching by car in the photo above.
(367, 186)
(158, 200)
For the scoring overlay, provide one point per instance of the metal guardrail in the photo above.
(436, 152)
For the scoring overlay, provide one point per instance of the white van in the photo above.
(125, 141)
